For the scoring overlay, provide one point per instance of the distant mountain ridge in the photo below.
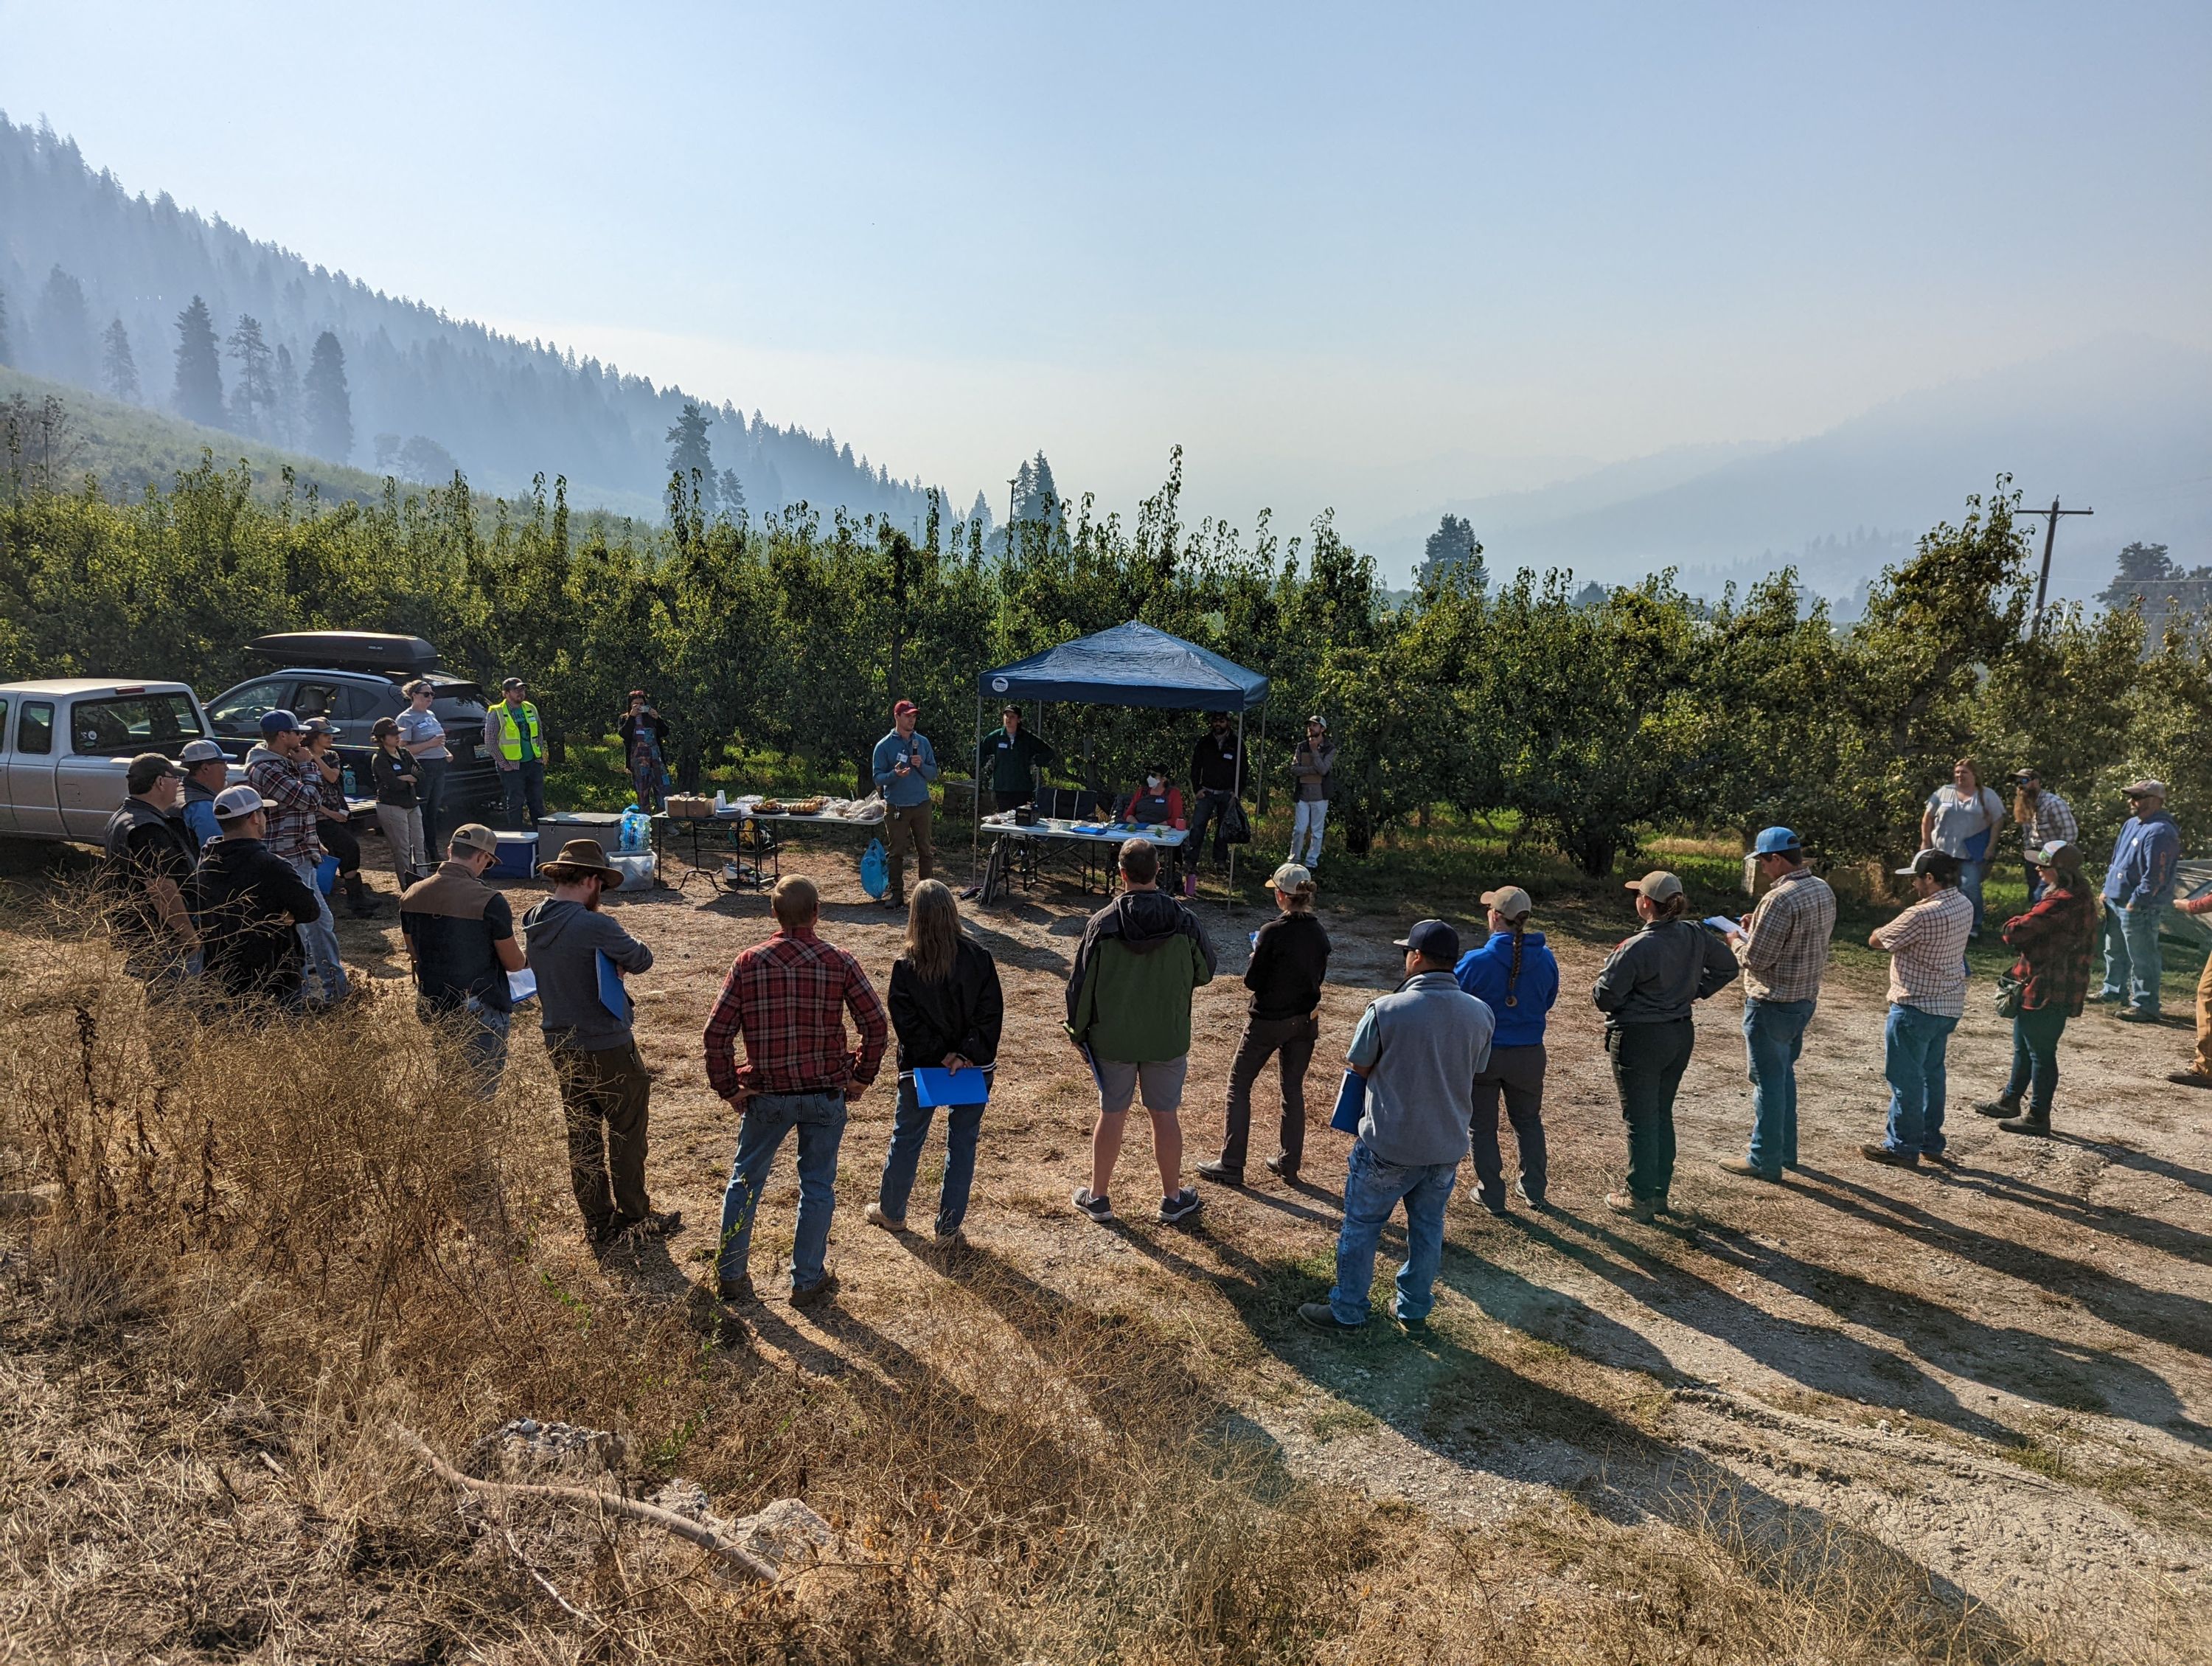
(504, 409)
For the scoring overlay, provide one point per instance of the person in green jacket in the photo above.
(1007, 759)
(1128, 1011)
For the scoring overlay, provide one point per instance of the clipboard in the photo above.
(612, 995)
(521, 986)
(1350, 1104)
(933, 1086)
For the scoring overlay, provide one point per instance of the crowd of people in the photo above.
(215, 886)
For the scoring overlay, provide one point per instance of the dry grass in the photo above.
(272, 1244)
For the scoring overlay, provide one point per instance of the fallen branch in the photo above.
(668, 1521)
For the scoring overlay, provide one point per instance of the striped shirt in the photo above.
(1786, 948)
(2053, 819)
(1927, 946)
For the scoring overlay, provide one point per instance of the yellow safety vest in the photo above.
(510, 732)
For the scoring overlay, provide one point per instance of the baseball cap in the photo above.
(1510, 901)
(2149, 787)
(1316, 721)
(512, 683)
(196, 752)
(278, 722)
(1293, 878)
(475, 835)
(1432, 940)
(906, 706)
(1658, 885)
(2059, 853)
(234, 802)
(319, 725)
(1928, 861)
(145, 769)
(1776, 841)
(2027, 775)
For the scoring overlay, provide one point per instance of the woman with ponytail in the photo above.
(1516, 976)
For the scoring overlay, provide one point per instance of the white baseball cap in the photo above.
(235, 803)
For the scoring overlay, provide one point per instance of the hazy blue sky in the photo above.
(1366, 256)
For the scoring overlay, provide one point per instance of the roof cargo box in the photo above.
(348, 650)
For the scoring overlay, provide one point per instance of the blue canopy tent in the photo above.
(1130, 665)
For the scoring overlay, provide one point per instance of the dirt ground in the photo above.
(1998, 1370)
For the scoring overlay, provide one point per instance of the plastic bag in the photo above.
(875, 869)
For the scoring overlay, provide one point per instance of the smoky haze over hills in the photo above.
(80, 253)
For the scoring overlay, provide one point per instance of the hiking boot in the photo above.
(1098, 1207)
(952, 1242)
(1412, 1327)
(2028, 1121)
(876, 1215)
(660, 1224)
(2138, 1015)
(1221, 1174)
(2005, 1104)
(1179, 1207)
(1744, 1167)
(738, 1292)
(816, 1293)
(2189, 1078)
(1283, 1169)
(1636, 1208)
(1874, 1152)
(1321, 1316)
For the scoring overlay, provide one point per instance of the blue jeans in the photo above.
(909, 1128)
(2035, 1058)
(1773, 1035)
(820, 1120)
(2134, 962)
(320, 940)
(1372, 1189)
(1971, 875)
(525, 786)
(484, 1043)
(430, 798)
(1913, 1046)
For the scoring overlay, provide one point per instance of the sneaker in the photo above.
(1497, 1210)
(894, 901)
(1098, 1208)
(1746, 1168)
(2004, 1104)
(2027, 1122)
(816, 1293)
(1282, 1168)
(1534, 1199)
(2138, 1015)
(876, 1215)
(1179, 1207)
(1321, 1316)
(1874, 1151)
(1221, 1174)
(2189, 1078)
(1636, 1208)
(660, 1224)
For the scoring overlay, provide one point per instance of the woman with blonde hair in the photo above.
(946, 1011)
(1961, 820)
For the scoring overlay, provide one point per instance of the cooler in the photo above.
(518, 856)
(604, 826)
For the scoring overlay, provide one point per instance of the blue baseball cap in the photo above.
(1776, 841)
(278, 722)
(1432, 939)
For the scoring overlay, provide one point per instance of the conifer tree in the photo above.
(5, 356)
(329, 406)
(63, 338)
(255, 396)
(284, 409)
(690, 452)
(118, 369)
(198, 394)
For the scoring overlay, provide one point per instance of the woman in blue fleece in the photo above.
(1515, 975)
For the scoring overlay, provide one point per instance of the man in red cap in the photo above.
(905, 763)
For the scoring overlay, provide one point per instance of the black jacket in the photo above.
(1217, 766)
(246, 903)
(385, 769)
(1288, 964)
(962, 1015)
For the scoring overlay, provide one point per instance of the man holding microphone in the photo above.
(904, 764)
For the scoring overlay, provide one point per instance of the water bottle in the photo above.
(634, 827)
(346, 781)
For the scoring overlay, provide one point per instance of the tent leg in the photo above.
(976, 830)
(1236, 781)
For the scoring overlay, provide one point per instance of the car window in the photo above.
(132, 723)
(3, 723)
(238, 713)
(35, 730)
(344, 703)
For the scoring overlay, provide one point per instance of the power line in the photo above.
(2050, 536)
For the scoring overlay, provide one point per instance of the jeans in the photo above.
(320, 940)
(2134, 962)
(1372, 1189)
(1971, 875)
(484, 1042)
(430, 798)
(1773, 1035)
(1291, 1042)
(2035, 1057)
(1913, 1046)
(1647, 1062)
(1308, 817)
(909, 1130)
(820, 1120)
(1209, 806)
(1514, 1074)
(523, 786)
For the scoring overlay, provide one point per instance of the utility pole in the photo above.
(2050, 537)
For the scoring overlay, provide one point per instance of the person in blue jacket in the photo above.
(1518, 979)
(904, 765)
(2138, 887)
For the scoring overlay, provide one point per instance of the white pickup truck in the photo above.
(66, 743)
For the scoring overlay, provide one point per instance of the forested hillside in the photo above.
(151, 304)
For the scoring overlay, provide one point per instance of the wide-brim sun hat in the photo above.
(583, 859)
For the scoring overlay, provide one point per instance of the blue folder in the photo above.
(934, 1085)
(612, 995)
(1350, 1104)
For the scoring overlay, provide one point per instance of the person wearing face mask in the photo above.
(1154, 803)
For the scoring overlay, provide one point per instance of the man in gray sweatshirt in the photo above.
(1419, 1050)
(585, 1014)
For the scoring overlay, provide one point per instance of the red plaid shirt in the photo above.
(788, 997)
(2056, 940)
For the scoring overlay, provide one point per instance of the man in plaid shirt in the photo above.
(2043, 818)
(1783, 949)
(1927, 946)
(278, 770)
(788, 997)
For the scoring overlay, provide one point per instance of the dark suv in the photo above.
(349, 679)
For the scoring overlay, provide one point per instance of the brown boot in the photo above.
(2028, 1121)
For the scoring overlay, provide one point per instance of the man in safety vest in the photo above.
(518, 746)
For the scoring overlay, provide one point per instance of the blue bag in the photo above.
(875, 869)
(326, 875)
